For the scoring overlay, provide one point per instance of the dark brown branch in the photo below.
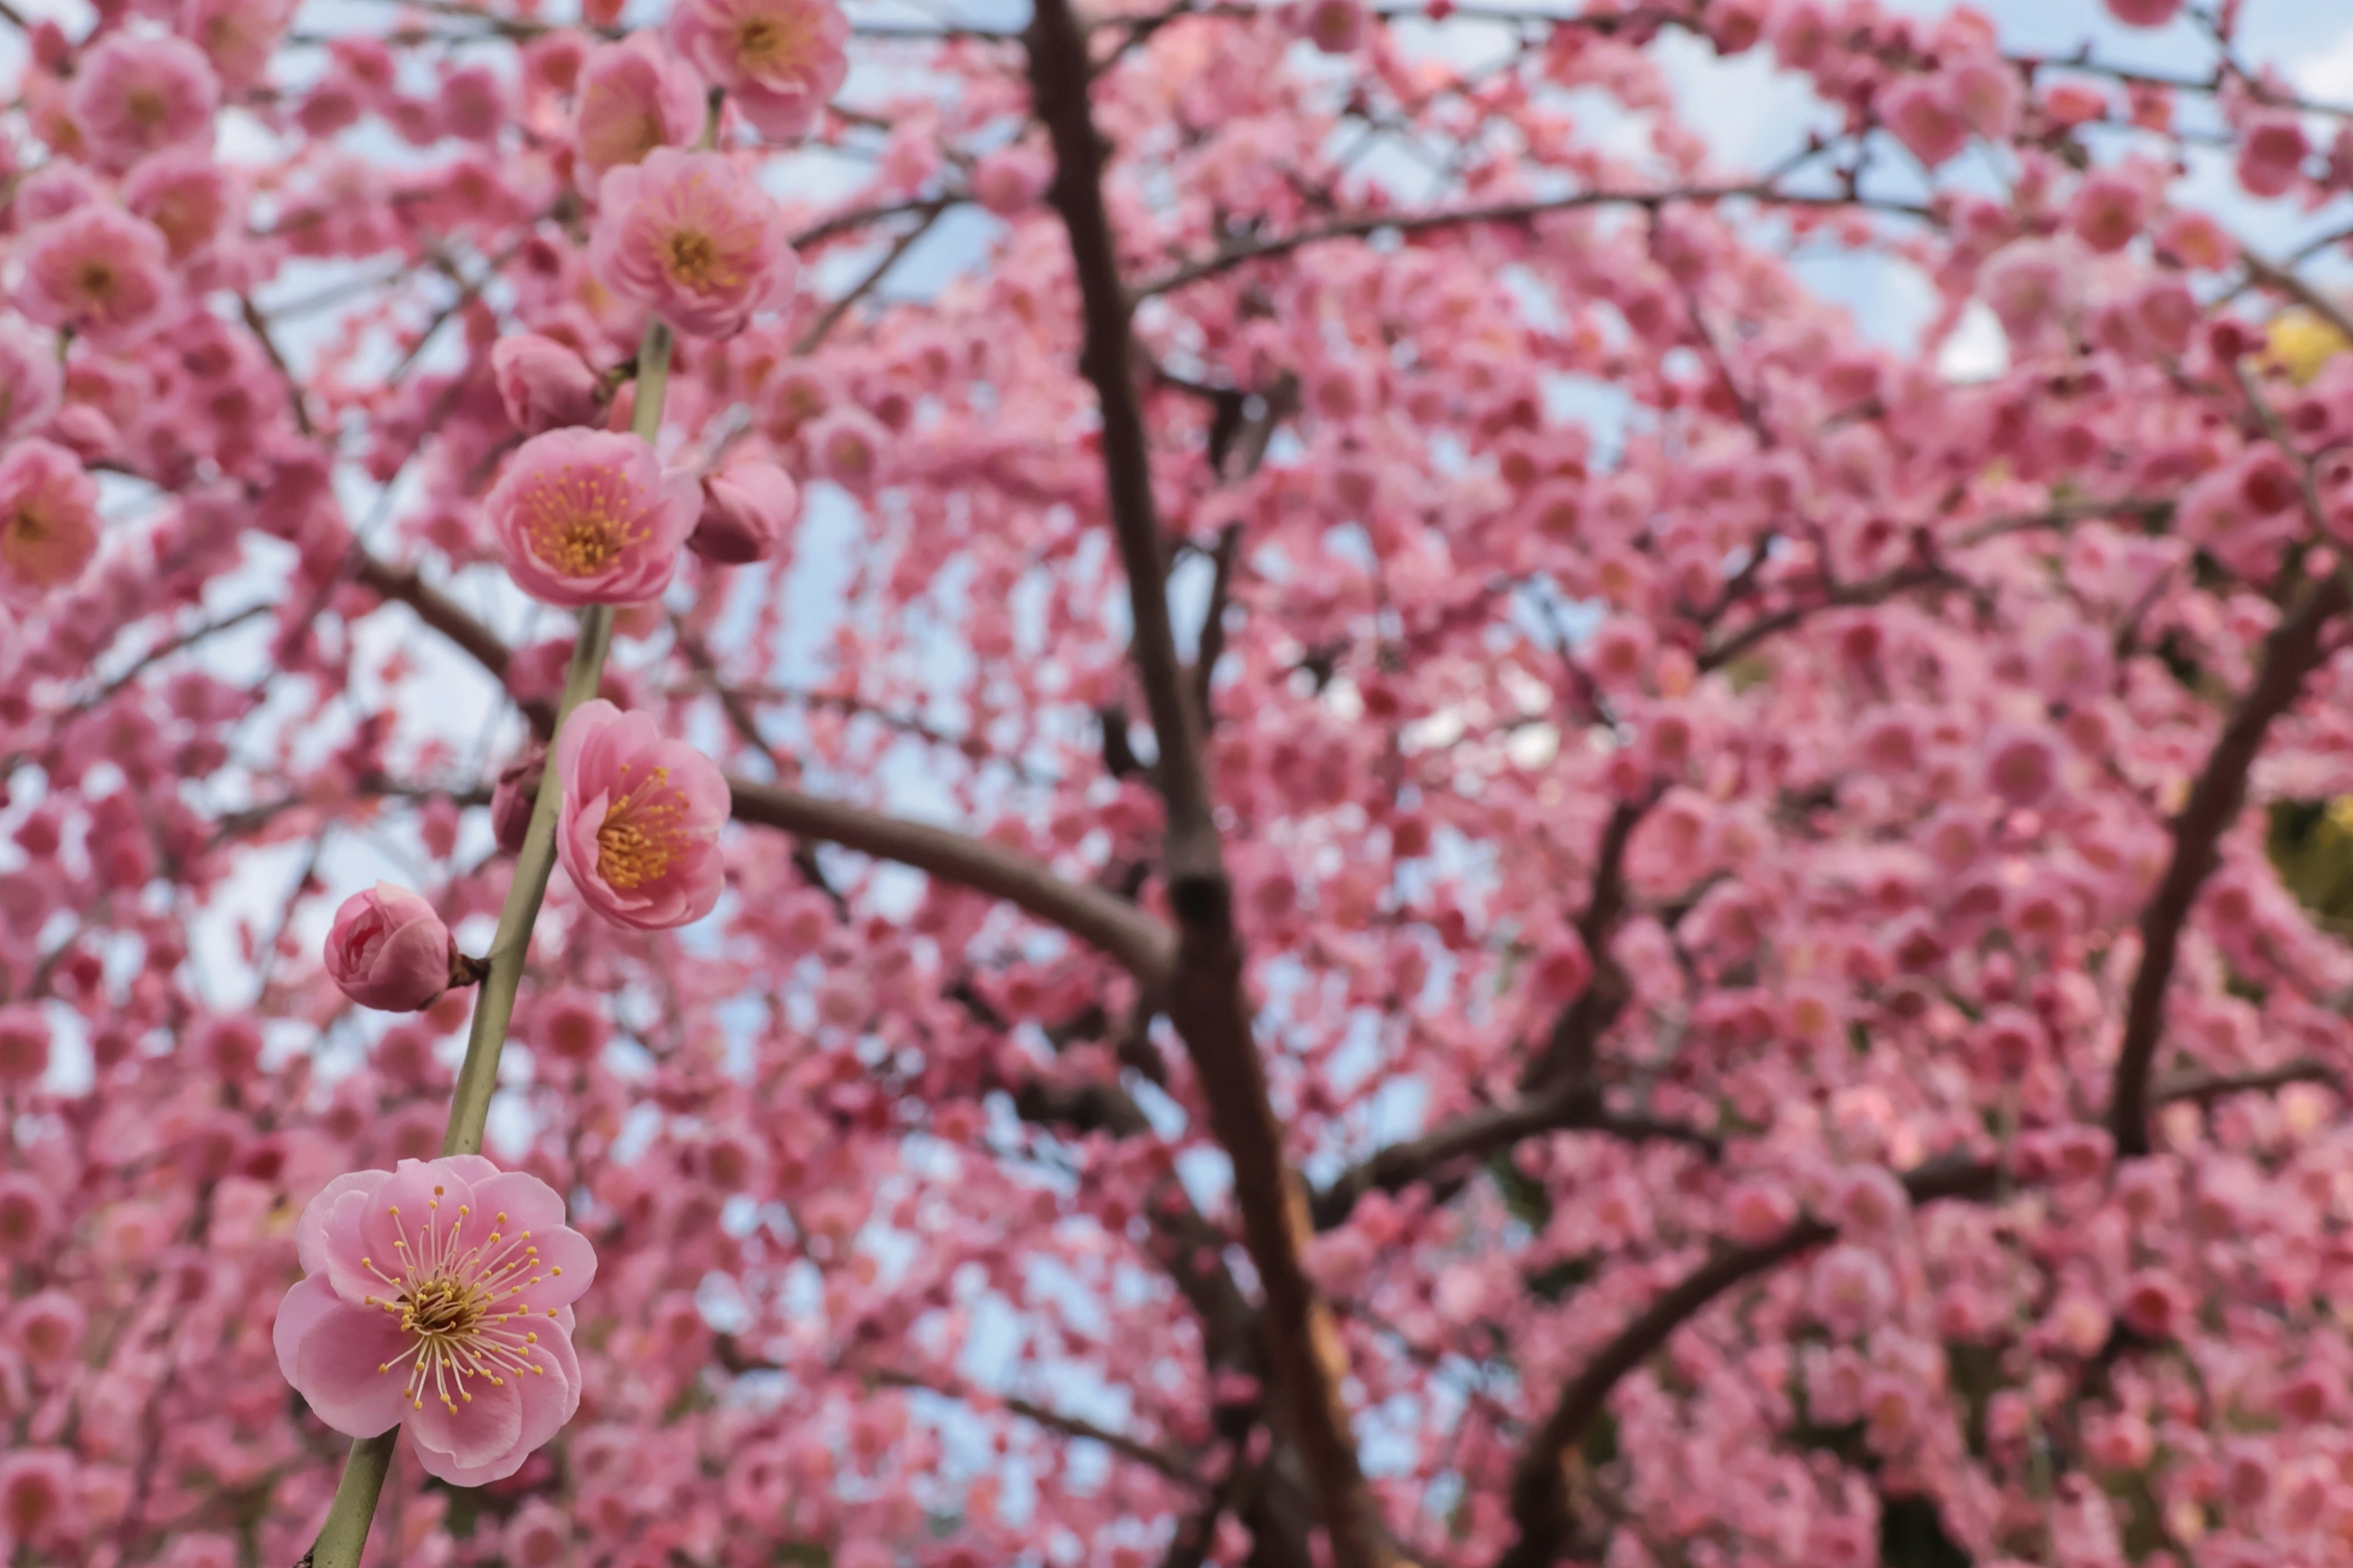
(831, 316)
(2206, 1087)
(1541, 1506)
(1206, 1000)
(2290, 652)
(1188, 273)
(1173, 1466)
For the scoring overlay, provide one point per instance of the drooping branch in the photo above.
(1206, 999)
(1135, 938)
(2292, 651)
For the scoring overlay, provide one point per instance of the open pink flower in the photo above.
(185, 195)
(780, 60)
(138, 93)
(692, 239)
(634, 97)
(389, 951)
(640, 830)
(588, 516)
(97, 270)
(1919, 111)
(48, 519)
(438, 1297)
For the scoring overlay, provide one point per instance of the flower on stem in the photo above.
(97, 270)
(544, 384)
(692, 239)
(139, 93)
(640, 830)
(780, 60)
(749, 506)
(588, 516)
(389, 951)
(438, 1297)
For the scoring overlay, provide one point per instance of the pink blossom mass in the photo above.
(1315, 784)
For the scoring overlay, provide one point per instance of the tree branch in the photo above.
(1206, 1000)
(2290, 652)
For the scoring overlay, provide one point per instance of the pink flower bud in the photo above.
(514, 797)
(389, 951)
(747, 509)
(543, 383)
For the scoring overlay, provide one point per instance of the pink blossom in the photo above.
(570, 1027)
(389, 951)
(1334, 27)
(2030, 284)
(1758, 1213)
(185, 195)
(48, 520)
(1853, 1290)
(748, 509)
(97, 270)
(2110, 208)
(2272, 154)
(846, 447)
(780, 60)
(2155, 1305)
(543, 383)
(237, 36)
(437, 1297)
(138, 93)
(28, 1214)
(2144, 13)
(634, 96)
(1010, 182)
(29, 383)
(35, 1496)
(2021, 766)
(47, 1327)
(24, 1045)
(691, 239)
(514, 797)
(588, 517)
(1987, 93)
(1921, 114)
(640, 830)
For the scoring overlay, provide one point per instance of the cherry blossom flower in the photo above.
(137, 93)
(186, 195)
(389, 951)
(634, 96)
(691, 239)
(437, 1297)
(97, 270)
(640, 830)
(30, 386)
(48, 519)
(1921, 114)
(543, 383)
(1010, 181)
(780, 60)
(748, 509)
(2271, 158)
(588, 517)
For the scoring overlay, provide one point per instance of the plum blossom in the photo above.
(389, 951)
(634, 96)
(97, 270)
(30, 386)
(640, 830)
(543, 383)
(137, 93)
(748, 508)
(780, 60)
(437, 1297)
(48, 519)
(588, 517)
(692, 239)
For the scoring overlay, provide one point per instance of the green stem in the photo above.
(345, 1535)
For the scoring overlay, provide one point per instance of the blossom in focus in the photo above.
(692, 239)
(588, 517)
(543, 383)
(634, 97)
(29, 383)
(97, 270)
(137, 93)
(638, 834)
(780, 60)
(437, 1295)
(749, 506)
(48, 519)
(388, 950)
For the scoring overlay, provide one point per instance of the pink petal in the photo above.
(565, 1265)
(296, 1316)
(335, 1368)
(308, 1230)
(549, 1400)
(528, 1203)
(480, 1430)
(400, 1219)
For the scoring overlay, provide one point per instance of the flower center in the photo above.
(763, 41)
(692, 259)
(578, 523)
(31, 543)
(146, 107)
(638, 837)
(448, 1295)
(95, 279)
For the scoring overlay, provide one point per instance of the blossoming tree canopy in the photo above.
(1175, 783)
